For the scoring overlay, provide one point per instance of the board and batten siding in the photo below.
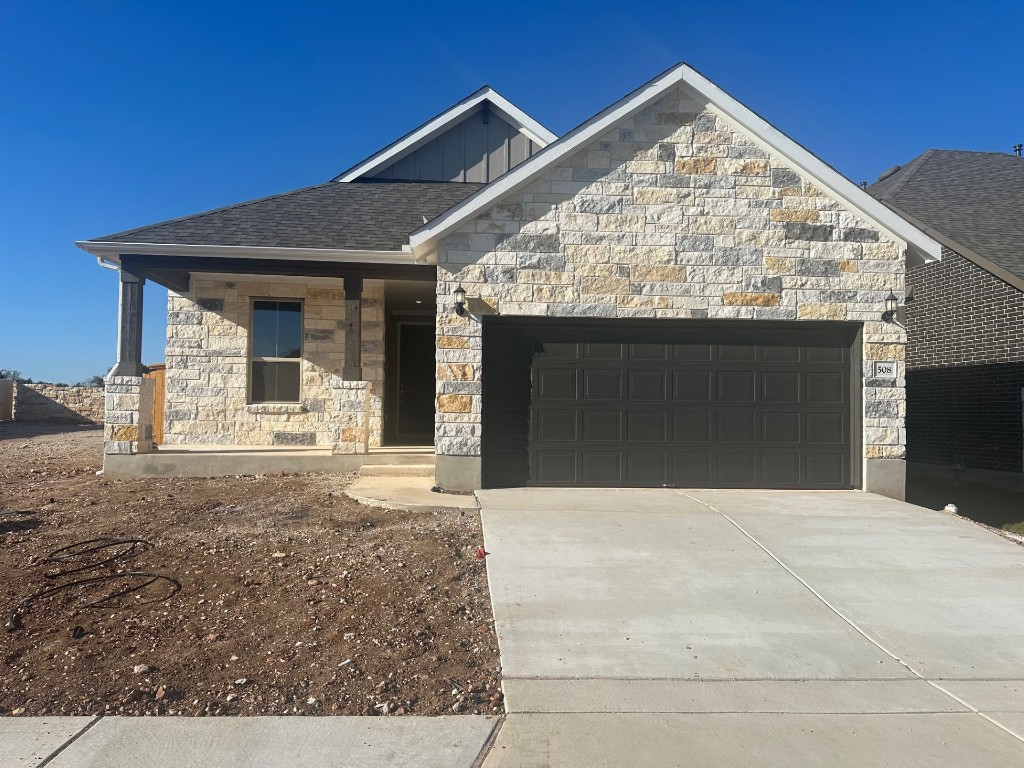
(480, 148)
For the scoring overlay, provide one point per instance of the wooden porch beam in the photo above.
(353, 367)
(177, 280)
(283, 267)
(129, 324)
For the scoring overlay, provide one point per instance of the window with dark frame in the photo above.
(275, 357)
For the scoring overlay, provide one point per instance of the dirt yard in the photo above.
(293, 599)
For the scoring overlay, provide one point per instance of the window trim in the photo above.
(250, 358)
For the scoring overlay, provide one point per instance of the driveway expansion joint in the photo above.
(853, 624)
(49, 758)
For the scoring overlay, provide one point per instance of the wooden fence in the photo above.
(6, 400)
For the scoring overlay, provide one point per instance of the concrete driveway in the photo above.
(726, 628)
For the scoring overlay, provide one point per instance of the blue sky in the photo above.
(119, 114)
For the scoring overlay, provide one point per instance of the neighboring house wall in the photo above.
(56, 402)
(207, 365)
(965, 367)
(672, 215)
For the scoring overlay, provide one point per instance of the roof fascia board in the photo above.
(752, 124)
(111, 251)
(437, 125)
(971, 255)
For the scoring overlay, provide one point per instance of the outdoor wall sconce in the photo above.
(892, 305)
(460, 300)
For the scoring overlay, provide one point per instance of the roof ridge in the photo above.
(211, 211)
(905, 174)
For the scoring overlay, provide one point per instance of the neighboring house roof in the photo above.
(434, 127)
(975, 199)
(371, 216)
(424, 239)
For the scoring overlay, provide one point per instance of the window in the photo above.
(276, 357)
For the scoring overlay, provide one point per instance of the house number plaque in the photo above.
(884, 369)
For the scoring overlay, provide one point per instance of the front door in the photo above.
(412, 390)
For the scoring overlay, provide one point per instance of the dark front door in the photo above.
(680, 404)
(414, 399)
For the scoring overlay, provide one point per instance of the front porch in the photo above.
(274, 366)
(220, 460)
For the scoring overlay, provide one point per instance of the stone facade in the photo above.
(207, 370)
(673, 214)
(965, 367)
(128, 428)
(56, 402)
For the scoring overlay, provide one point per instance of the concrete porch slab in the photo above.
(407, 493)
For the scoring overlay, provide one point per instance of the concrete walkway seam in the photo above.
(853, 624)
(488, 743)
(49, 758)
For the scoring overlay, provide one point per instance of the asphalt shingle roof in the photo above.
(352, 216)
(973, 198)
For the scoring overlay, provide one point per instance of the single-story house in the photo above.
(965, 341)
(674, 293)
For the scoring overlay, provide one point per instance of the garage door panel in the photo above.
(602, 468)
(826, 428)
(781, 469)
(736, 427)
(825, 388)
(603, 404)
(736, 470)
(556, 384)
(555, 467)
(780, 354)
(825, 469)
(648, 352)
(556, 426)
(691, 427)
(780, 427)
(780, 387)
(602, 426)
(647, 468)
(602, 384)
(736, 386)
(737, 353)
(692, 469)
(647, 426)
(691, 386)
(825, 355)
(691, 352)
(646, 385)
(598, 351)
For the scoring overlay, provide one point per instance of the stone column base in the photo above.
(128, 415)
(351, 401)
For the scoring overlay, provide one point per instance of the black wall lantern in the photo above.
(459, 295)
(892, 305)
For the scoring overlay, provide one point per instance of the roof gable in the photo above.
(706, 94)
(476, 140)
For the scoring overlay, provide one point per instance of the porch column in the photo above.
(129, 325)
(353, 367)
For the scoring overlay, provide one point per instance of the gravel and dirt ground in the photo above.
(293, 599)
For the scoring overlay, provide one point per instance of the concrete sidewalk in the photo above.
(752, 628)
(244, 742)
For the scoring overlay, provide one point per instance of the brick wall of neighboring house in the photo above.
(673, 214)
(56, 402)
(965, 367)
(206, 400)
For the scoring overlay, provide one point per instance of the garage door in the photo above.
(743, 405)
